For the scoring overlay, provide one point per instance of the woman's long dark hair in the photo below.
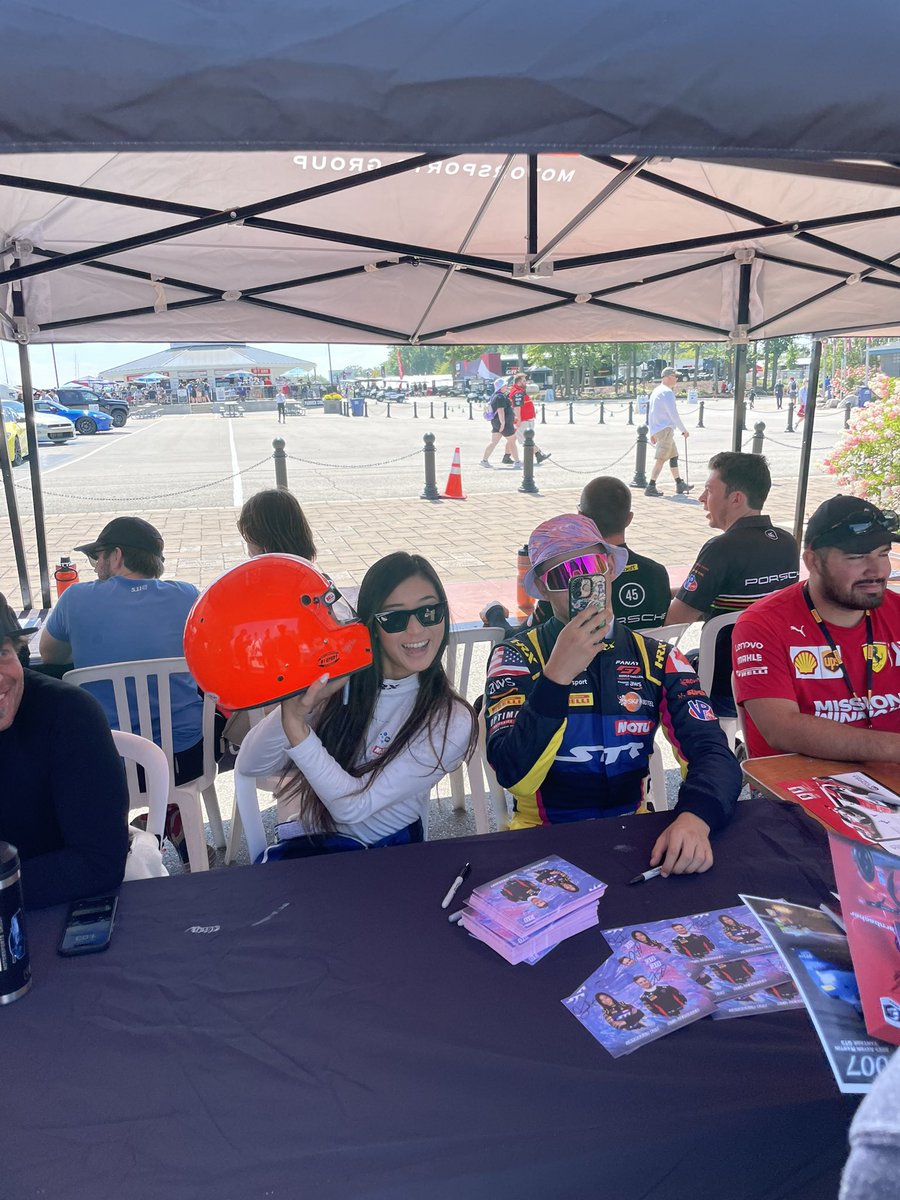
(274, 521)
(342, 727)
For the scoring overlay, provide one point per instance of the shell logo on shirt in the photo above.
(815, 662)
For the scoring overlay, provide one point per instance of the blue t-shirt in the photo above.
(124, 620)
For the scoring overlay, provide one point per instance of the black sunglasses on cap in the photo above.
(887, 520)
(397, 620)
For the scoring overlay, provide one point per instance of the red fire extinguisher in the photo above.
(65, 574)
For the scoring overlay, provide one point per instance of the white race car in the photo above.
(51, 428)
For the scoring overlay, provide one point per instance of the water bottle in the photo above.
(15, 968)
(66, 574)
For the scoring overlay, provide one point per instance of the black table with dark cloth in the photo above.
(317, 1029)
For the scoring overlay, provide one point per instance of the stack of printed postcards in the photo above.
(524, 914)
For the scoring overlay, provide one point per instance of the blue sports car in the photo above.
(84, 420)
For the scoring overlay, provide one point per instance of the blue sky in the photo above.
(74, 362)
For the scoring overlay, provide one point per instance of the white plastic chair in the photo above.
(667, 633)
(658, 796)
(187, 795)
(482, 780)
(246, 817)
(138, 750)
(706, 663)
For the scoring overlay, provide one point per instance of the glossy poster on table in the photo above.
(818, 957)
(699, 937)
(739, 976)
(854, 805)
(527, 899)
(868, 881)
(626, 1007)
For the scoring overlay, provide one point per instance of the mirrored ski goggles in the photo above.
(397, 620)
(557, 578)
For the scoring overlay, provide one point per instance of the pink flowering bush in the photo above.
(867, 458)
(854, 377)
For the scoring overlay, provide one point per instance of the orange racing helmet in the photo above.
(269, 628)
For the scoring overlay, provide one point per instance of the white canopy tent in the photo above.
(373, 172)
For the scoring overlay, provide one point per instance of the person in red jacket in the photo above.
(525, 415)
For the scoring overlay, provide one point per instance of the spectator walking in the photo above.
(503, 425)
(779, 394)
(663, 420)
(523, 406)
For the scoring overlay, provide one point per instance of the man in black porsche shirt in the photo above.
(752, 558)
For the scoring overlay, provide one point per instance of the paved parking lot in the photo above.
(360, 480)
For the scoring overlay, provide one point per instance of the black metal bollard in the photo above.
(280, 458)
(847, 408)
(602, 420)
(430, 492)
(630, 412)
(759, 436)
(528, 485)
(470, 410)
(388, 404)
(415, 410)
(789, 428)
(445, 410)
(431, 407)
(700, 415)
(571, 413)
(640, 458)
(543, 413)
(366, 407)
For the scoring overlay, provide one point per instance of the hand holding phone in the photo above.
(586, 591)
(89, 925)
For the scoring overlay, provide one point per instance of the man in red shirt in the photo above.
(525, 415)
(829, 648)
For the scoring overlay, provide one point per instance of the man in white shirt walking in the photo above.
(663, 420)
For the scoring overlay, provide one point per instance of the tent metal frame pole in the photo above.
(449, 271)
(532, 239)
(812, 388)
(229, 217)
(15, 523)
(740, 355)
(34, 462)
(737, 210)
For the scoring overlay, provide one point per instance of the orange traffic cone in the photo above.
(453, 490)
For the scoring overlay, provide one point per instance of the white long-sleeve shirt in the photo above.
(367, 809)
(663, 412)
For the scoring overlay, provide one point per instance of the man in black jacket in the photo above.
(63, 797)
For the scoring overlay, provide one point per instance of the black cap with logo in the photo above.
(852, 525)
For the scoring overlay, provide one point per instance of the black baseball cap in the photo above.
(133, 533)
(9, 626)
(852, 525)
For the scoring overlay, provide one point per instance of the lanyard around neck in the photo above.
(868, 652)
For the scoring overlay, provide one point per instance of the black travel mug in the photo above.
(15, 968)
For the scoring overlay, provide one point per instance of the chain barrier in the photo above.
(592, 469)
(796, 445)
(158, 496)
(353, 466)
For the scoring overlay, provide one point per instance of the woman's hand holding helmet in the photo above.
(296, 710)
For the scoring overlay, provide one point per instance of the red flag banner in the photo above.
(399, 365)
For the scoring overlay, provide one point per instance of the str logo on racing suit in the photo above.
(608, 754)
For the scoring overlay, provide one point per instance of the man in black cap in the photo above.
(126, 615)
(63, 798)
(828, 648)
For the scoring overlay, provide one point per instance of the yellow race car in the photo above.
(16, 445)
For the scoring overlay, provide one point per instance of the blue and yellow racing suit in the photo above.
(571, 752)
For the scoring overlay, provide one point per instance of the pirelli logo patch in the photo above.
(581, 699)
(505, 702)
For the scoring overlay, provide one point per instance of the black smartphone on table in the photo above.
(89, 925)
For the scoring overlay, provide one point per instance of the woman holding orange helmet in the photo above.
(357, 770)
